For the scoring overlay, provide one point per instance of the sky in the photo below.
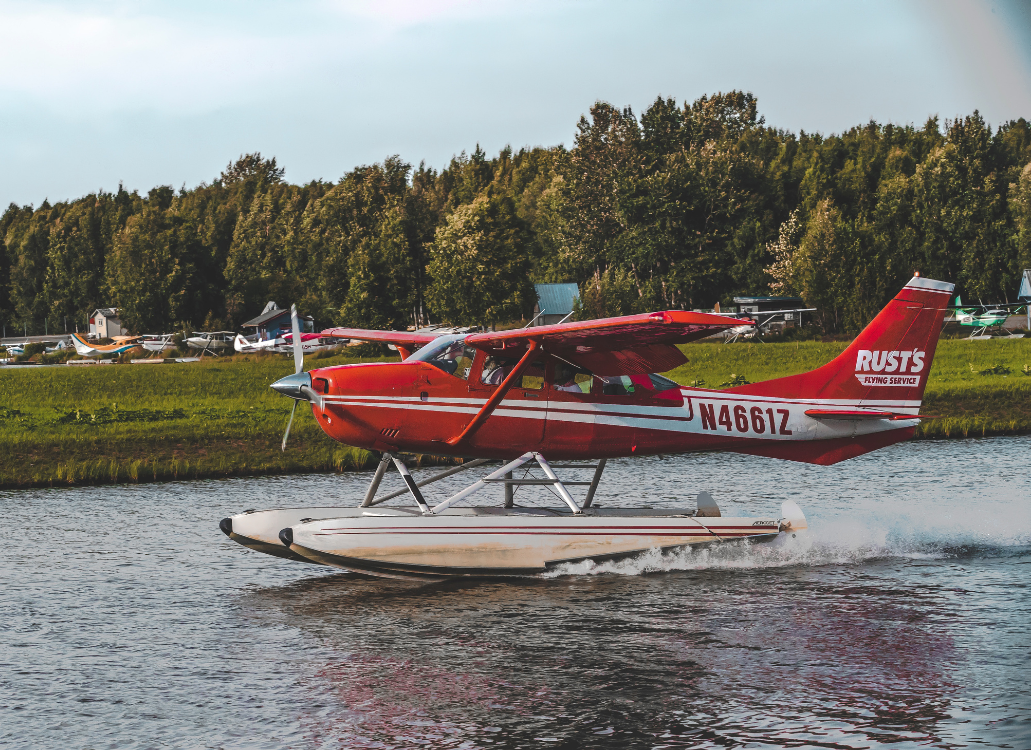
(156, 92)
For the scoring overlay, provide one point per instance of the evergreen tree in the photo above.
(480, 263)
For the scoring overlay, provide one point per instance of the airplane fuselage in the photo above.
(416, 407)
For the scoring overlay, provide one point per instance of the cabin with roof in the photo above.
(275, 322)
(104, 323)
(555, 303)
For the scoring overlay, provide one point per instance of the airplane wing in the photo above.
(404, 338)
(405, 341)
(628, 345)
(760, 313)
(999, 306)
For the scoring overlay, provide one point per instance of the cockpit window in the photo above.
(496, 369)
(435, 347)
(661, 384)
(455, 359)
(572, 379)
(617, 385)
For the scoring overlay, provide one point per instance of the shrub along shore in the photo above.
(218, 418)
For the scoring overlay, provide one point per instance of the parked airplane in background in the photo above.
(211, 342)
(310, 342)
(984, 318)
(85, 349)
(157, 342)
(575, 392)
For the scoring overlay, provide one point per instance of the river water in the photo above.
(902, 618)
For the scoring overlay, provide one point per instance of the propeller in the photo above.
(296, 386)
(289, 424)
(298, 354)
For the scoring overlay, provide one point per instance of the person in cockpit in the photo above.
(496, 369)
(571, 379)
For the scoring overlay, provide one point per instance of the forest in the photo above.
(681, 207)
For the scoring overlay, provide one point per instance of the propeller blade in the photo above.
(288, 424)
(298, 352)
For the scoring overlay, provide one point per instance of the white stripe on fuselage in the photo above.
(680, 419)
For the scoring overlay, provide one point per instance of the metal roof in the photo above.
(557, 299)
(107, 312)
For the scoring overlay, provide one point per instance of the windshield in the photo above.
(435, 347)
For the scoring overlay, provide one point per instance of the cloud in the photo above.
(401, 13)
(984, 52)
(110, 58)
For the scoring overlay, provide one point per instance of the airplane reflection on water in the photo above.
(797, 655)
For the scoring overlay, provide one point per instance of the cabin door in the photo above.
(520, 417)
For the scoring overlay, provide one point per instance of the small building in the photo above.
(555, 302)
(275, 322)
(104, 323)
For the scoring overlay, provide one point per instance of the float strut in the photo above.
(594, 484)
(509, 492)
(376, 479)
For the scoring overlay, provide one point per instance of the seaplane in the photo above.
(210, 342)
(984, 318)
(557, 398)
(310, 342)
(121, 345)
(157, 342)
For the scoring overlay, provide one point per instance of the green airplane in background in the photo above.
(984, 318)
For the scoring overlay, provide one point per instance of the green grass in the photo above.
(73, 425)
(138, 423)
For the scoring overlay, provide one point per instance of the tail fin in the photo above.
(887, 362)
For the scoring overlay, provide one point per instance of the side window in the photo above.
(571, 379)
(456, 359)
(617, 385)
(661, 384)
(496, 369)
(533, 376)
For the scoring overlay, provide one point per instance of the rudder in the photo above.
(888, 362)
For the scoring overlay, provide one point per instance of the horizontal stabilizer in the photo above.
(858, 414)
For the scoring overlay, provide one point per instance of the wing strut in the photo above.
(495, 399)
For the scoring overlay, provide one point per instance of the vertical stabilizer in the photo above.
(888, 362)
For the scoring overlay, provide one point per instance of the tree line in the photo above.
(685, 206)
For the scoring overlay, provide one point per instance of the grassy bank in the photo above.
(140, 423)
(137, 423)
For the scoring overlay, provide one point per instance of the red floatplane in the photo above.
(575, 392)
